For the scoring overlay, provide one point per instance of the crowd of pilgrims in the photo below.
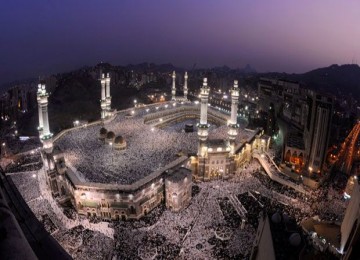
(162, 233)
(148, 148)
(27, 184)
(16, 145)
(26, 163)
(76, 237)
(192, 231)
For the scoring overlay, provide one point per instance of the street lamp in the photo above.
(4, 147)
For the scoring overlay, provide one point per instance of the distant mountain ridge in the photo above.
(336, 79)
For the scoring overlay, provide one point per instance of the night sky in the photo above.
(44, 37)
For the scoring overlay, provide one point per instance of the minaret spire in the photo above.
(204, 95)
(108, 96)
(203, 132)
(233, 126)
(203, 125)
(45, 135)
(185, 85)
(41, 123)
(103, 95)
(173, 89)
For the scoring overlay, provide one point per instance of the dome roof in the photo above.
(119, 140)
(103, 131)
(276, 218)
(110, 135)
(295, 239)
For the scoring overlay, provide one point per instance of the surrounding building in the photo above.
(309, 115)
(317, 130)
(178, 186)
(276, 238)
(350, 227)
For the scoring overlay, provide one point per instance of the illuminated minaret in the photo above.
(203, 125)
(233, 126)
(103, 96)
(108, 96)
(173, 89)
(185, 85)
(41, 123)
(42, 97)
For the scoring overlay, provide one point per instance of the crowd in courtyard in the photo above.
(220, 222)
(191, 233)
(148, 148)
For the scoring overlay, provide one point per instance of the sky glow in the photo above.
(44, 37)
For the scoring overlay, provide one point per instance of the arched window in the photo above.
(294, 158)
(132, 210)
(287, 156)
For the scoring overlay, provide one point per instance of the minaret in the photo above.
(41, 123)
(233, 126)
(203, 125)
(108, 96)
(103, 96)
(43, 103)
(185, 85)
(173, 89)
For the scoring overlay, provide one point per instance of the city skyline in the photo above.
(49, 37)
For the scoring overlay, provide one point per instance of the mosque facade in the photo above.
(171, 184)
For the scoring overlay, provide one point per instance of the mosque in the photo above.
(131, 161)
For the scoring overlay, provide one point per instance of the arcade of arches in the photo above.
(295, 159)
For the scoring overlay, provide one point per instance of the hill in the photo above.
(338, 80)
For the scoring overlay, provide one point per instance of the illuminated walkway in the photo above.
(274, 173)
(348, 149)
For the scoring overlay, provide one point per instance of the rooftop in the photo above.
(179, 174)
